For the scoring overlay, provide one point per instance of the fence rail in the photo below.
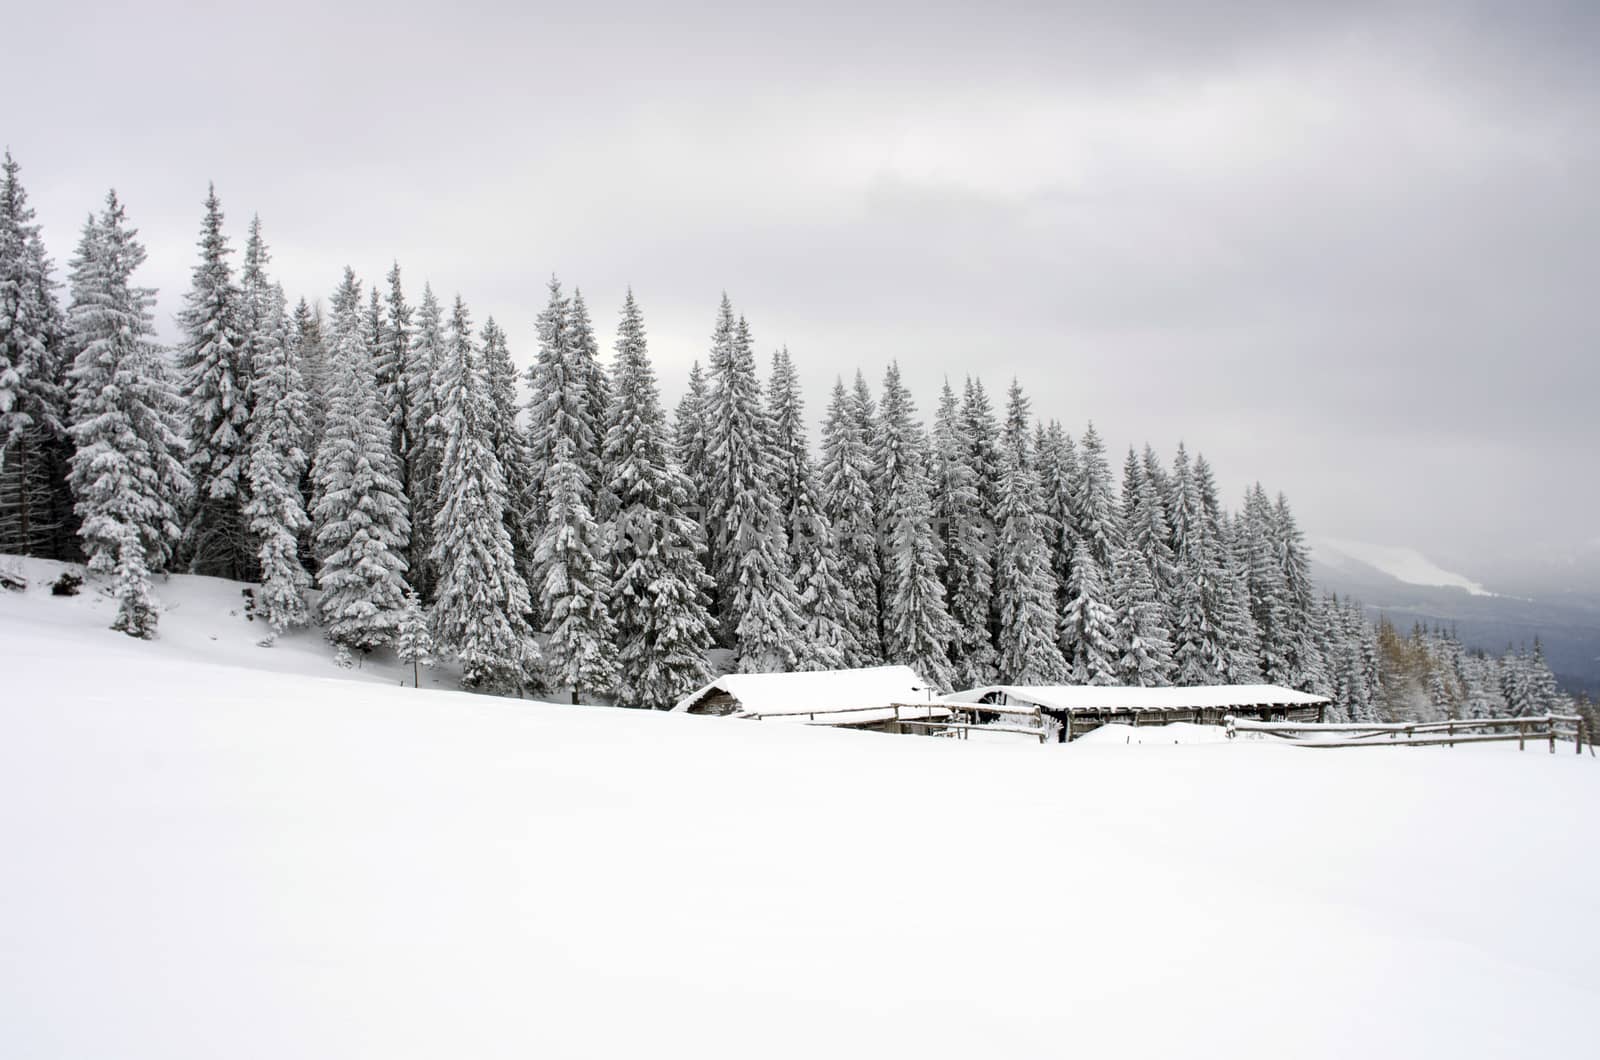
(1548, 728)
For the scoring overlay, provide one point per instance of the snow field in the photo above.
(205, 858)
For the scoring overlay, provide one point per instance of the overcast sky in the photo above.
(1347, 250)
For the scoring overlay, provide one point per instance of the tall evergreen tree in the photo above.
(424, 438)
(966, 543)
(313, 356)
(1024, 588)
(214, 387)
(593, 408)
(690, 440)
(580, 635)
(258, 302)
(34, 445)
(563, 383)
(275, 461)
(759, 606)
(917, 630)
(851, 510)
(826, 604)
(359, 512)
(478, 615)
(658, 588)
(1090, 621)
(1146, 653)
(510, 447)
(1195, 641)
(390, 367)
(127, 470)
(1059, 480)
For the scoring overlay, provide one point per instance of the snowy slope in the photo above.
(1398, 562)
(206, 860)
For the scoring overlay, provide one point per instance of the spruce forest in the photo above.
(380, 468)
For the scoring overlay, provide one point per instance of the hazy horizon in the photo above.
(1345, 253)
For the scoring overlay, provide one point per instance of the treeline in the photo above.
(1427, 674)
(582, 540)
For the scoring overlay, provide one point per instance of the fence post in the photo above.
(1522, 734)
(1577, 745)
(1450, 731)
(1551, 721)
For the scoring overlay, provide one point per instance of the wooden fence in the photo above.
(1545, 728)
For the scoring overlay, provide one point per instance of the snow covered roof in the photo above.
(816, 691)
(1126, 697)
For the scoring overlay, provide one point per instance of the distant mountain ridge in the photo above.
(1405, 585)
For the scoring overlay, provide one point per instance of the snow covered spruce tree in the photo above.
(127, 470)
(478, 614)
(306, 327)
(359, 512)
(1238, 659)
(967, 542)
(510, 447)
(561, 386)
(424, 438)
(825, 600)
(390, 360)
(917, 630)
(1024, 588)
(759, 604)
(34, 446)
(595, 389)
(1059, 477)
(275, 460)
(658, 586)
(1089, 626)
(1304, 668)
(1144, 520)
(1195, 642)
(851, 511)
(1146, 653)
(689, 438)
(214, 389)
(580, 636)
(413, 643)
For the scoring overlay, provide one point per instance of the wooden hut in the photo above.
(877, 698)
(1078, 709)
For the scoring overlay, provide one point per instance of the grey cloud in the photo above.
(1346, 249)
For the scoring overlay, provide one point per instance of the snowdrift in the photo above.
(203, 859)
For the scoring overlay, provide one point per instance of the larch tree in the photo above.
(214, 389)
(34, 445)
(580, 636)
(658, 586)
(127, 469)
(852, 513)
(481, 597)
(361, 527)
(275, 461)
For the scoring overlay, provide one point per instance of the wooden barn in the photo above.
(877, 698)
(1077, 709)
